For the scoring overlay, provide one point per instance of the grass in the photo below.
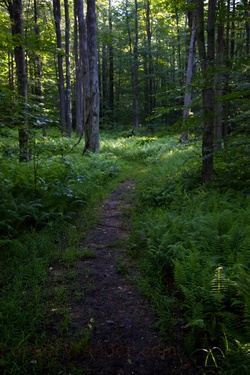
(190, 242)
(87, 253)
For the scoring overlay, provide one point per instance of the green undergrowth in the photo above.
(46, 206)
(191, 243)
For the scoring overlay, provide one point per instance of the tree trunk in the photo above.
(38, 68)
(135, 69)
(130, 55)
(57, 18)
(68, 77)
(78, 17)
(232, 38)
(15, 11)
(111, 65)
(218, 124)
(149, 67)
(92, 124)
(85, 67)
(207, 66)
(190, 68)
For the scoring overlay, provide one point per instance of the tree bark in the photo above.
(68, 77)
(92, 122)
(130, 55)
(78, 50)
(149, 67)
(190, 68)
(111, 65)
(16, 17)
(57, 19)
(207, 66)
(218, 124)
(38, 67)
(135, 69)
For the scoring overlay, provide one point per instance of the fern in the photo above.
(219, 282)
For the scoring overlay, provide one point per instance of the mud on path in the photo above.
(122, 338)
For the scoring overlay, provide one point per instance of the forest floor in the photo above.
(118, 320)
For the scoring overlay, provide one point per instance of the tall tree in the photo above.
(191, 59)
(61, 90)
(38, 89)
(92, 116)
(149, 68)
(78, 51)
(130, 48)
(136, 73)
(207, 56)
(85, 77)
(16, 16)
(68, 100)
(219, 60)
(111, 63)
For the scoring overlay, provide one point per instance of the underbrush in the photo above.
(55, 184)
(46, 206)
(192, 243)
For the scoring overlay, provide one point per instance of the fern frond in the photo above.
(219, 281)
(195, 323)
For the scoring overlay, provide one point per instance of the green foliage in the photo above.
(197, 237)
(191, 242)
(87, 253)
(38, 202)
(24, 268)
(54, 184)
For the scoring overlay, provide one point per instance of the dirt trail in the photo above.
(123, 341)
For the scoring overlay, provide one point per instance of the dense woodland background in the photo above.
(92, 94)
(155, 64)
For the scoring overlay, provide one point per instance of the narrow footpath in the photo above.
(120, 320)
